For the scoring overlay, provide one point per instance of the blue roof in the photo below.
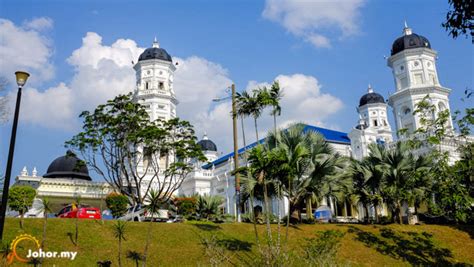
(330, 136)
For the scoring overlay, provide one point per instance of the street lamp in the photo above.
(21, 78)
(236, 151)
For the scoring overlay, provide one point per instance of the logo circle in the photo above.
(16, 241)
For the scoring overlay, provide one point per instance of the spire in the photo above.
(205, 136)
(24, 172)
(35, 172)
(155, 43)
(406, 29)
(369, 89)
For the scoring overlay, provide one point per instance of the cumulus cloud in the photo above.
(101, 73)
(314, 21)
(303, 101)
(26, 47)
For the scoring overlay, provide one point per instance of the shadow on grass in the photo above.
(465, 228)
(416, 248)
(234, 244)
(208, 227)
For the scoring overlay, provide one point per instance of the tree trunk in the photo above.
(44, 231)
(376, 213)
(309, 208)
(243, 132)
(120, 253)
(21, 220)
(366, 213)
(399, 207)
(77, 230)
(289, 211)
(254, 219)
(147, 241)
(267, 215)
(256, 129)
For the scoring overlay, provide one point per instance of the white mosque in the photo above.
(413, 64)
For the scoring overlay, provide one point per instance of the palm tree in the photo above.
(248, 188)
(208, 205)
(360, 175)
(275, 97)
(135, 256)
(119, 229)
(154, 201)
(293, 148)
(46, 209)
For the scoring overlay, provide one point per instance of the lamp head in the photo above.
(21, 78)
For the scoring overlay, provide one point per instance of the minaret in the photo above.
(413, 65)
(154, 90)
(373, 125)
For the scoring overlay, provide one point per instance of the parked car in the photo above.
(134, 213)
(138, 213)
(81, 212)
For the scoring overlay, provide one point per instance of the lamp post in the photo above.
(236, 151)
(21, 78)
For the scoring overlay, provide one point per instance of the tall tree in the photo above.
(134, 154)
(21, 199)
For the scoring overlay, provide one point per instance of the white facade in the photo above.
(415, 74)
(373, 126)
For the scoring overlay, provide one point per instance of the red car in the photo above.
(81, 212)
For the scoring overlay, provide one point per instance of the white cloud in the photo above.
(315, 20)
(39, 24)
(303, 101)
(26, 48)
(101, 73)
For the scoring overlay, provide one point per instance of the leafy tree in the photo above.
(459, 19)
(134, 154)
(119, 229)
(117, 204)
(20, 199)
(186, 205)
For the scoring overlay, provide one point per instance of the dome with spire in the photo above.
(155, 52)
(409, 40)
(206, 144)
(371, 98)
(68, 166)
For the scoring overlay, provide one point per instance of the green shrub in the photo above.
(321, 250)
(117, 204)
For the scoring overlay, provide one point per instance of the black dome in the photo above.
(371, 98)
(409, 41)
(207, 145)
(155, 53)
(68, 166)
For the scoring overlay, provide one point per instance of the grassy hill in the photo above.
(181, 244)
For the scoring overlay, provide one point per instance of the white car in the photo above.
(139, 214)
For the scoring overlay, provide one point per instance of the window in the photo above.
(407, 111)
(384, 122)
(375, 123)
(161, 85)
(403, 82)
(161, 106)
(146, 85)
(418, 78)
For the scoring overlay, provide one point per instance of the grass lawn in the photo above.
(180, 244)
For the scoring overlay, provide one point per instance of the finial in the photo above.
(369, 89)
(406, 29)
(155, 43)
(34, 172)
(205, 136)
(24, 172)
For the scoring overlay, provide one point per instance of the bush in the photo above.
(117, 204)
(185, 205)
(321, 250)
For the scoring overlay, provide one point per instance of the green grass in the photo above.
(181, 244)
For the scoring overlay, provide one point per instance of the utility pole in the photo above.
(236, 155)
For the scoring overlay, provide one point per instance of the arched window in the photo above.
(146, 85)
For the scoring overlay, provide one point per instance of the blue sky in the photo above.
(326, 54)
